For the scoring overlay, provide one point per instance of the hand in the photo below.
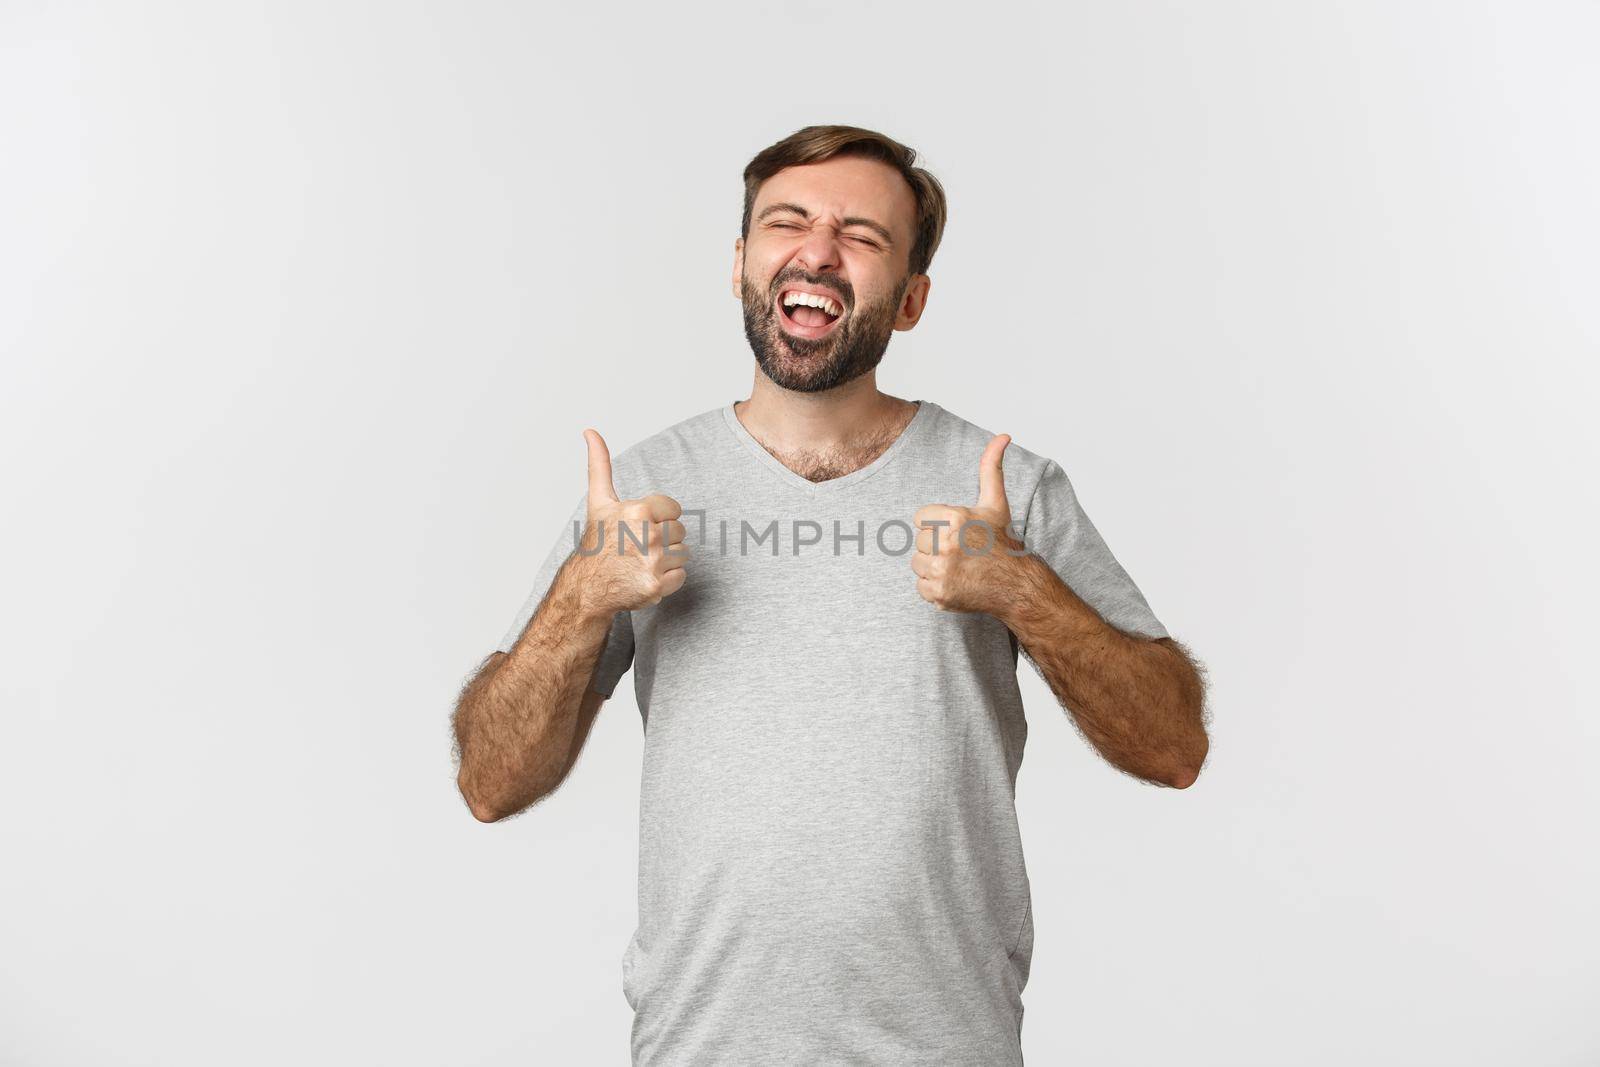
(970, 568)
(630, 577)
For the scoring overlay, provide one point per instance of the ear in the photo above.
(911, 305)
(738, 266)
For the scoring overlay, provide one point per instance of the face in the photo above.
(841, 231)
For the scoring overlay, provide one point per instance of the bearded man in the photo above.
(823, 591)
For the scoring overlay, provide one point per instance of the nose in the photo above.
(819, 252)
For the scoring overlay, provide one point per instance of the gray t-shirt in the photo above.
(829, 864)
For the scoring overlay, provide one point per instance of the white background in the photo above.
(303, 310)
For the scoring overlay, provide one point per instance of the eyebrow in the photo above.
(853, 220)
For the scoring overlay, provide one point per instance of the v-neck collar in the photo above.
(923, 415)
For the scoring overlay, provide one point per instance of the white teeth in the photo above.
(795, 296)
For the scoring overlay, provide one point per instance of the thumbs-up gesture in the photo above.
(627, 569)
(965, 556)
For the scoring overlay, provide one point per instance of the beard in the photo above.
(811, 365)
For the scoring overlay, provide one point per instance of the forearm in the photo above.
(1139, 702)
(517, 721)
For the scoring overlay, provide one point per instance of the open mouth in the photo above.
(809, 314)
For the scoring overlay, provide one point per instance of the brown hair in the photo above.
(813, 144)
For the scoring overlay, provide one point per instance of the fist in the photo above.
(632, 552)
(965, 556)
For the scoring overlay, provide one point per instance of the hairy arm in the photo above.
(1140, 702)
(523, 718)
(521, 721)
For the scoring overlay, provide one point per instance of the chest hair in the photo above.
(821, 465)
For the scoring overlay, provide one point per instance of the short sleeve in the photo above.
(618, 653)
(1059, 531)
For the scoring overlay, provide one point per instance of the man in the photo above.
(829, 864)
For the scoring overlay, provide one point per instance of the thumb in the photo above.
(991, 477)
(601, 488)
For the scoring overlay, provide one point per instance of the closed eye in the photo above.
(869, 242)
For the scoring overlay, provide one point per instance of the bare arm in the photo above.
(522, 720)
(1140, 702)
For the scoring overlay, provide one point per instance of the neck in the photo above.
(788, 421)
